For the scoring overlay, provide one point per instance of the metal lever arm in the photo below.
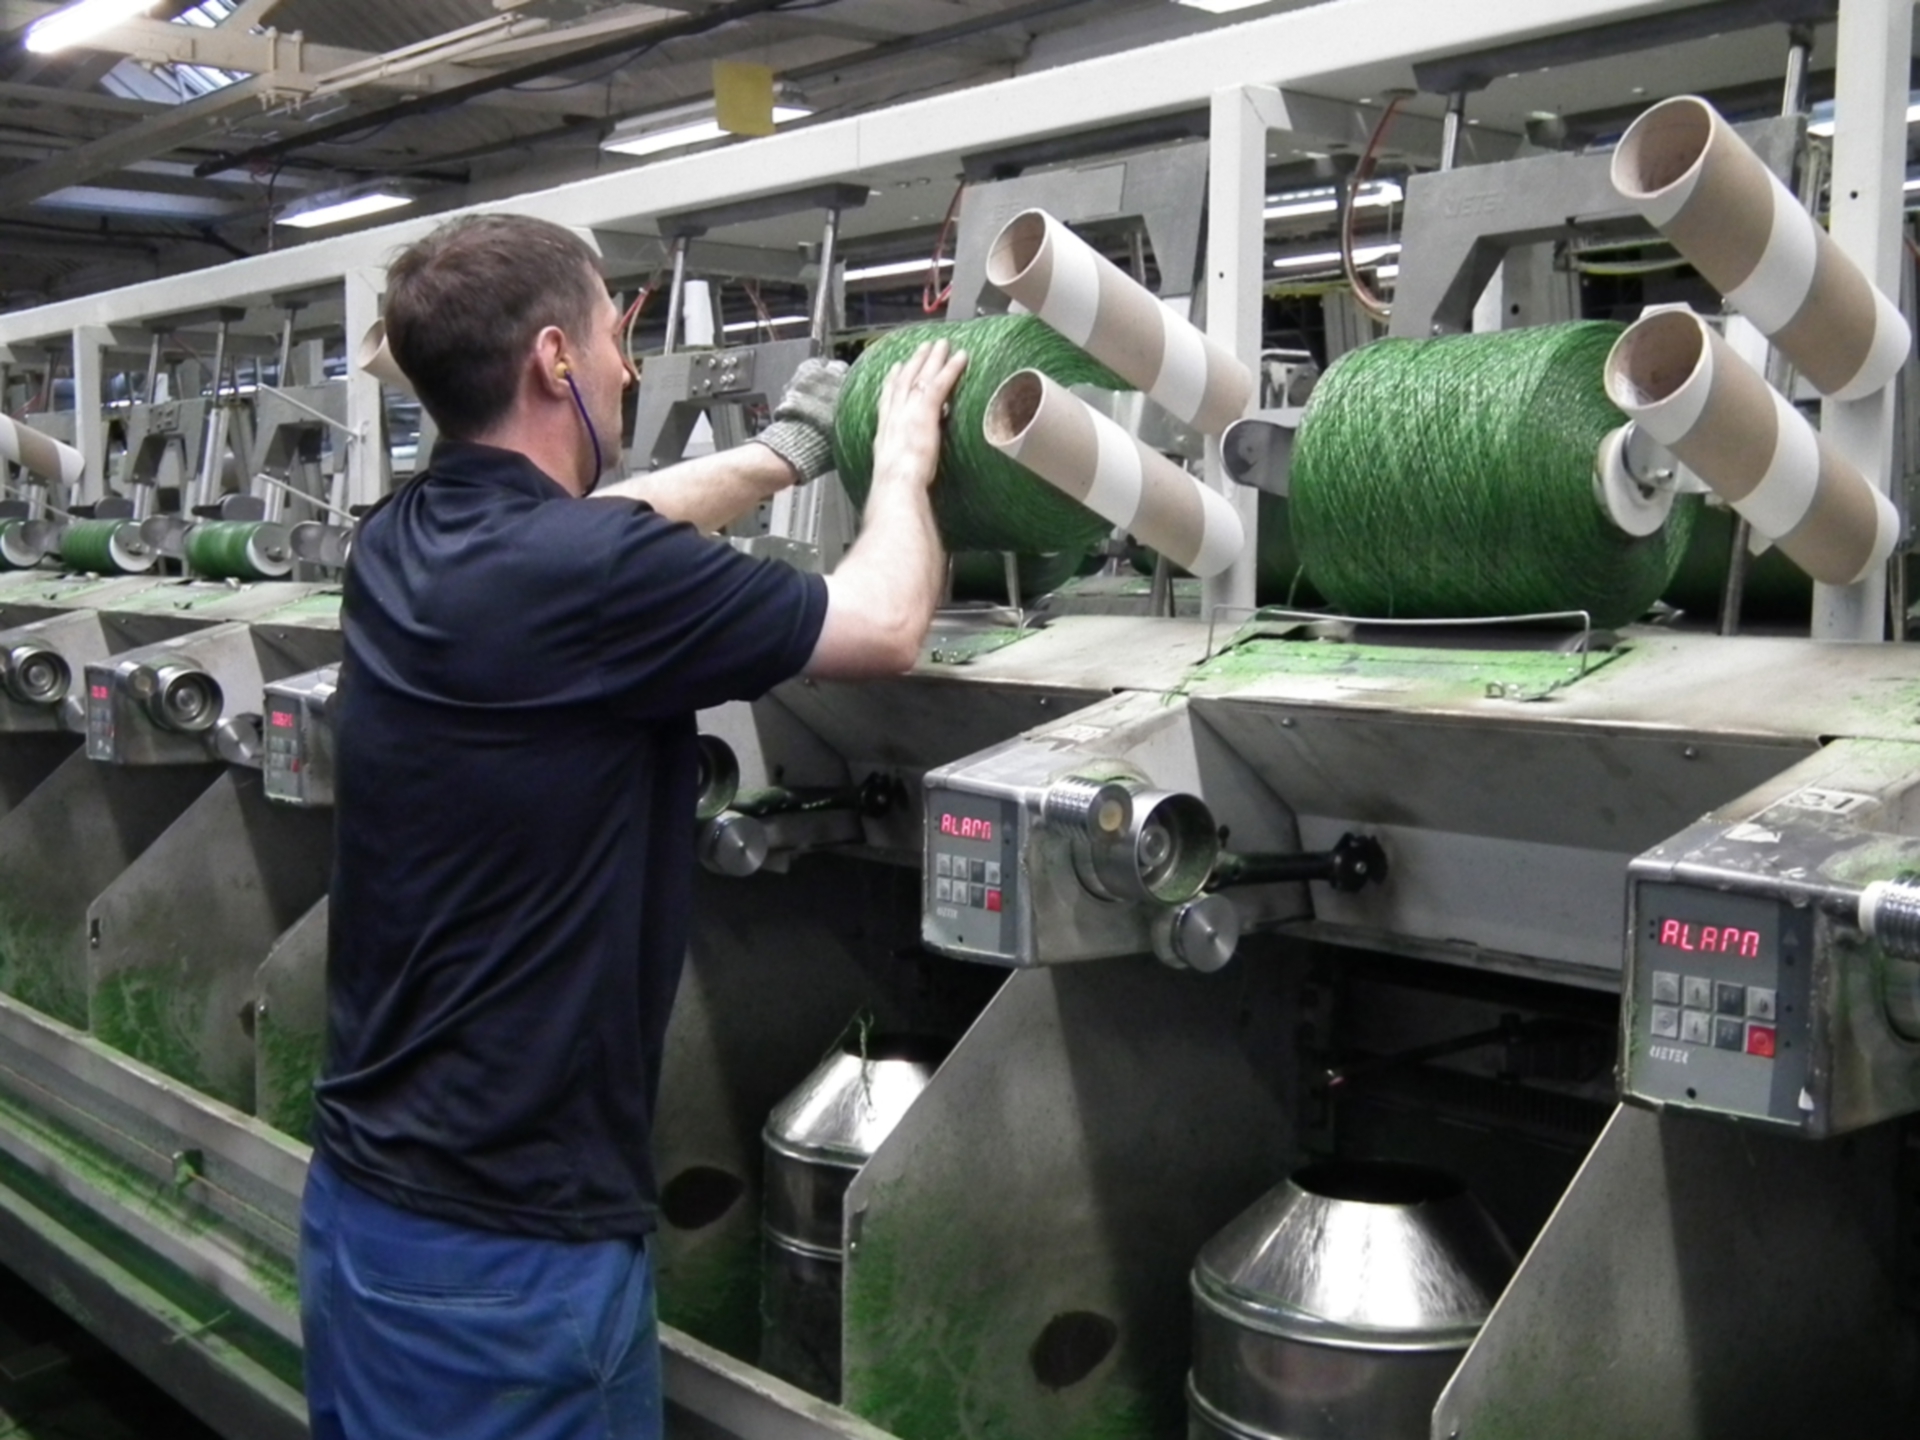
(1355, 861)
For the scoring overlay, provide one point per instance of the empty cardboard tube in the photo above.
(1702, 187)
(374, 357)
(1052, 272)
(1717, 414)
(39, 454)
(1088, 457)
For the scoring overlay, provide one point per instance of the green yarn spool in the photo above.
(1453, 477)
(981, 499)
(238, 550)
(99, 547)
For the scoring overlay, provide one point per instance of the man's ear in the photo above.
(550, 365)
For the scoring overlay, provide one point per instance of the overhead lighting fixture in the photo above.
(895, 267)
(336, 209)
(1220, 7)
(80, 22)
(668, 130)
(1324, 200)
(114, 200)
(735, 326)
(1365, 255)
(1822, 123)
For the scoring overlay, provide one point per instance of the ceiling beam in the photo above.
(189, 121)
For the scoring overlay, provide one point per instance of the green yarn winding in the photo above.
(1453, 477)
(981, 499)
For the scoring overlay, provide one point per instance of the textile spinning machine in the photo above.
(1199, 999)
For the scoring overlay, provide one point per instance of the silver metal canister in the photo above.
(1338, 1306)
(815, 1141)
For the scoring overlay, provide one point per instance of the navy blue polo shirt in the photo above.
(514, 841)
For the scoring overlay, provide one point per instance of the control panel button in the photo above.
(993, 900)
(1696, 992)
(1760, 1003)
(978, 871)
(943, 863)
(1666, 1022)
(942, 889)
(1694, 1027)
(1729, 1034)
(1760, 1041)
(1666, 987)
(979, 897)
(1730, 999)
(993, 872)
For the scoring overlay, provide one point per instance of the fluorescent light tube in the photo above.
(1823, 117)
(354, 209)
(738, 325)
(630, 139)
(894, 267)
(1365, 255)
(1324, 201)
(80, 22)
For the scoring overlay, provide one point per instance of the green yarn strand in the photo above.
(981, 499)
(1453, 477)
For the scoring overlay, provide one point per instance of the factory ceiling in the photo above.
(195, 132)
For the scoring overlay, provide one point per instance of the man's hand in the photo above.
(906, 446)
(802, 430)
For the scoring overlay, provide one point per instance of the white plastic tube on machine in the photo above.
(39, 454)
(375, 356)
(1715, 412)
(1088, 457)
(1051, 271)
(1704, 189)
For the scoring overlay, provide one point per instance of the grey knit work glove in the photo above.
(802, 430)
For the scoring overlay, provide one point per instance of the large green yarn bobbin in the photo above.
(1453, 477)
(981, 499)
(237, 550)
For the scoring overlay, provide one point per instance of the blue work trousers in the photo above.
(418, 1329)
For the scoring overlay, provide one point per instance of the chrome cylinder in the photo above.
(1339, 1305)
(815, 1142)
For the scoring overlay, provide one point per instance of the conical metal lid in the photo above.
(850, 1103)
(1363, 1253)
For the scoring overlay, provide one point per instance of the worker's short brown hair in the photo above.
(464, 303)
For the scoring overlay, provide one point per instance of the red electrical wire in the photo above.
(1363, 172)
(933, 295)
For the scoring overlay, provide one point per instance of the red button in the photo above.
(993, 899)
(1760, 1041)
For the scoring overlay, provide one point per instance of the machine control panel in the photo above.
(1718, 1017)
(972, 875)
(297, 739)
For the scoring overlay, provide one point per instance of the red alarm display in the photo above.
(280, 719)
(965, 827)
(1698, 939)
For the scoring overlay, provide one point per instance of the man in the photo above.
(516, 776)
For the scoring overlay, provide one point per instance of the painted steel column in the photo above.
(1869, 167)
(89, 410)
(366, 459)
(1236, 275)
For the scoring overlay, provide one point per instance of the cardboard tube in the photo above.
(376, 359)
(39, 454)
(1702, 187)
(1053, 273)
(1088, 457)
(1720, 418)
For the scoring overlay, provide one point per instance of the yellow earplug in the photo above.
(562, 370)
